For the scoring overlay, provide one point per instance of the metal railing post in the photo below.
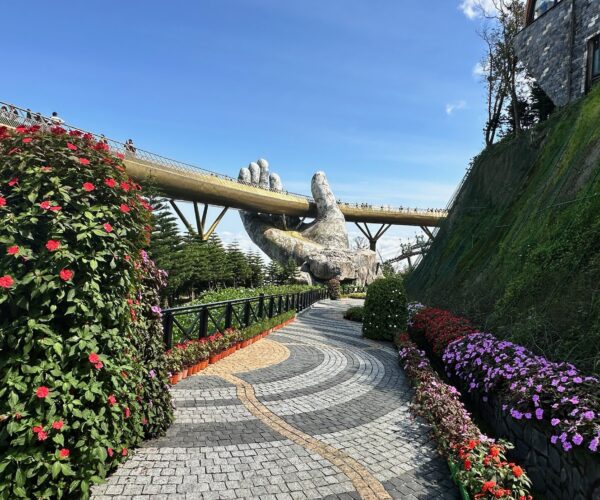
(261, 305)
(247, 313)
(203, 323)
(271, 306)
(228, 315)
(168, 329)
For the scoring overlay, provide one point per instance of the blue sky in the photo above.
(380, 95)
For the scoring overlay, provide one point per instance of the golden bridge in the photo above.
(183, 182)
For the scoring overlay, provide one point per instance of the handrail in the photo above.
(203, 320)
(14, 116)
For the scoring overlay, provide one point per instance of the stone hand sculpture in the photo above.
(319, 248)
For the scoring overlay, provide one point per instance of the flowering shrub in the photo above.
(481, 462)
(412, 309)
(385, 308)
(79, 383)
(333, 286)
(530, 386)
(439, 327)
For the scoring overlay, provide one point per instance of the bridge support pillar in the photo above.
(203, 233)
(373, 238)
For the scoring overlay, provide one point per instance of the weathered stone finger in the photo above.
(324, 198)
(275, 182)
(244, 175)
(264, 173)
(254, 173)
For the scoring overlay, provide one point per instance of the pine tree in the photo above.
(257, 268)
(220, 273)
(238, 268)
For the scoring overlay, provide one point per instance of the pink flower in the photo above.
(2, 201)
(58, 425)
(6, 281)
(111, 183)
(65, 274)
(72, 147)
(84, 161)
(42, 391)
(111, 400)
(88, 186)
(124, 208)
(27, 140)
(64, 452)
(93, 358)
(53, 245)
(107, 227)
(110, 452)
(124, 452)
(42, 436)
(14, 250)
(14, 181)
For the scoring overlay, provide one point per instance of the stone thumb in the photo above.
(323, 196)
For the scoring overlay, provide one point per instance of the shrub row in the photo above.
(530, 387)
(245, 293)
(478, 462)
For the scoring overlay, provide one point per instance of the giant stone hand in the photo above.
(321, 247)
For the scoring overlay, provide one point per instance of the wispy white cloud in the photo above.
(455, 106)
(476, 8)
(479, 70)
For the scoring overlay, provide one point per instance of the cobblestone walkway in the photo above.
(313, 411)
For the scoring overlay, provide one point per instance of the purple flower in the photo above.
(554, 439)
(555, 422)
(578, 439)
(575, 400)
(560, 388)
(516, 414)
(594, 444)
(527, 416)
(156, 310)
(152, 374)
(589, 415)
(567, 446)
(539, 414)
(578, 380)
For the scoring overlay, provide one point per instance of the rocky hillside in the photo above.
(520, 251)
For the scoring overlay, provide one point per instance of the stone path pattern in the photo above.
(312, 411)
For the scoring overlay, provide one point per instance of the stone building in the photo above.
(560, 46)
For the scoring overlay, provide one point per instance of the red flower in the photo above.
(88, 186)
(21, 129)
(125, 186)
(64, 452)
(27, 140)
(467, 465)
(14, 181)
(124, 208)
(6, 281)
(55, 208)
(517, 471)
(72, 147)
(12, 250)
(58, 425)
(93, 358)
(14, 150)
(2, 201)
(46, 169)
(53, 245)
(37, 429)
(127, 413)
(45, 205)
(42, 391)
(488, 486)
(111, 400)
(124, 452)
(84, 161)
(65, 274)
(111, 183)
(472, 444)
(110, 452)
(42, 436)
(107, 227)
(98, 366)
(121, 156)
(494, 451)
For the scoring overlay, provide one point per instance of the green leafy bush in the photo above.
(385, 308)
(80, 383)
(243, 293)
(359, 295)
(355, 314)
(333, 285)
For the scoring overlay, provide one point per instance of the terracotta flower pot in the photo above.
(245, 343)
(184, 373)
(203, 364)
(173, 379)
(213, 359)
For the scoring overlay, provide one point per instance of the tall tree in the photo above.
(257, 269)
(238, 268)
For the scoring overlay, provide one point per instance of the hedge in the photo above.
(385, 310)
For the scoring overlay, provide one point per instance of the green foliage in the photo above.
(385, 310)
(75, 388)
(355, 314)
(243, 293)
(359, 295)
(519, 253)
(261, 326)
(333, 286)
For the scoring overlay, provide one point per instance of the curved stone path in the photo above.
(313, 411)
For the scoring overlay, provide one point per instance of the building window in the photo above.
(538, 7)
(593, 70)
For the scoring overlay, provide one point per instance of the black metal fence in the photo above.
(203, 320)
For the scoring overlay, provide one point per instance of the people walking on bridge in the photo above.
(55, 119)
(130, 148)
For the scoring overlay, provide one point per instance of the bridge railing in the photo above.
(203, 320)
(14, 116)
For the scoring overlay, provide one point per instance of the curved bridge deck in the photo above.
(312, 411)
